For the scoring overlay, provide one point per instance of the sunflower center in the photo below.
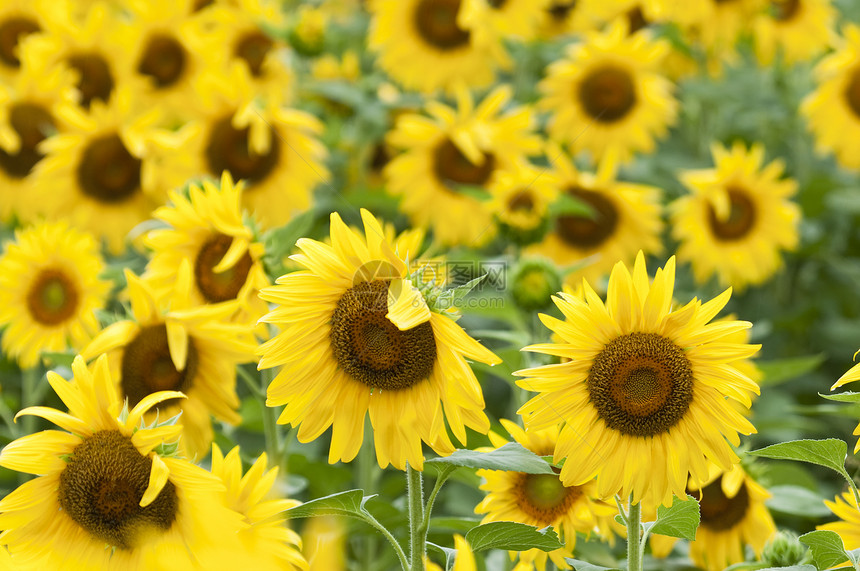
(229, 149)
(147, 367)
(450, 164)
(607, 94)
(741, 219)
(108, 172)
(521, 201)
(497, 3)
(371, 349)
(253, 48)
(560, 10)
(32, 123)
(200, 4)
(96, 80)
(12, 31)
(163, 60)
(852, 92)
(53, 297)
(719, 512)
(641, 384)
(220, 286)
(588, 231)
(544, 497)
(101, 487)
(436, 22)
(635, 19)
(784, 10)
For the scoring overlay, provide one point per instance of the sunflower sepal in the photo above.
(447, 301)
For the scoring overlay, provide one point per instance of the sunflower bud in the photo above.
(783, 550)
(534, 282)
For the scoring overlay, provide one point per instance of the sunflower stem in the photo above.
(415, 492)
(634, 531)
(270, 423)
(401, 556)
(367, 474)
(29, 396)
(431, 499)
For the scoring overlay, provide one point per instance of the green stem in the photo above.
(367, 472)
(634, 545)
(404, 563)
(431, 499)
(415, 491)
(270, 423)
(29, 396)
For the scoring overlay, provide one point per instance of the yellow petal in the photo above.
(147, 403)
(177, 341)
(65, 421)
(39, 453)
(406, 306)
(237, 249)
(157, 479)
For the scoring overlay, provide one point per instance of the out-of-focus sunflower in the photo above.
(565, 17)
(453, 153)
(329, 67)
(424, 45)
(833, 109)
(18, 19)
(521, 195)
(541, 500)
(274, 149)
(324, 543)
(623, 218)
(738, 218)
(267, 539)
(170, 345)
(851, 375)
(518, 19)
(206, 228)
(49, 276)
(636, 14)
(110, 495)
(848, 527)
(358, 337)
(644, 394)
(607, 95)
(464, 560)
(798, 29)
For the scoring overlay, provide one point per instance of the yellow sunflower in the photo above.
(623, 219)
(851, 375)
(274, 149)
(206, 228)
(541, 500)
(463, 561)
(607, 95)
(18, 19)
(565, 17)
(324, 543)
(848, 526)
(833, 109)
(453, 153)
(108, 495)
(798, 29)
(49, 276)
(171, 345)
(518, 19)
(738, 218)
(424, 45)
(358, 337)
(267, 536)
(644, 396)
(521, 196)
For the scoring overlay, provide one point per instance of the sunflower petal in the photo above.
(157, 480)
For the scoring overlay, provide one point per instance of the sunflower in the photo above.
(623, 218)
(607, 95)
(453, 153)
(798, 29)
(171, 345)
(108, 495)
(274, 149)
(49, 276)
(517, 19)
(738, 217)
(206, 228)
(267, 537)
(464, 560)
(424, 45)
(18, 19)
(848, 527)
(851, 375)
(565, 17)
(324, 543)
(521, 196)
(541, 500)
(833, 109)
(645, 390)
(357, 337)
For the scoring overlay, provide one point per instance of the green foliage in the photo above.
(679, 520)
(827, 549)
(512, 456)
(512, 536)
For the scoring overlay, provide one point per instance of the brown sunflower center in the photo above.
(33, 123)
(53, 297)
(719, 512)
(544, 497)
(220, 286)
(229, 149)
(147, 367)
(641, 384)
(497, 3)
(741, 219)
(451, 165)
(559, 11)
(521, 201)
(163, 60)
(852, 92)
(784, 10)
(12, 31)
(635, 19)
(253, 48)
(96, 80)
(371, 349)
(101, 487)
(607, 94)
(436, 22)
(108, 172)
(586, 232)
(200, 4)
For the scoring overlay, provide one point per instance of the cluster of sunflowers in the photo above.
(164, 164)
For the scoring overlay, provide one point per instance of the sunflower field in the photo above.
(442, 285)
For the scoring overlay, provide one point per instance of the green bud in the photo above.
(784, 550)
(534, 283)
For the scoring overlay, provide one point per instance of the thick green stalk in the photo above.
(634, 544)
(274, 449)
(367, 474)
(415, 491)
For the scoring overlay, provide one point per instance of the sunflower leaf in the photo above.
(796, 500)
(512, 457)
(680, 520)
(584, 566)
(842, 397)
(826, 548)
(348, 504)
(512, 536)
(830, 453)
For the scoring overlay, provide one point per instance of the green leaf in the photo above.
(567, 205)
(790, 568)
(512, 536)
(452, 297)
(829, 452)
(781, 370)
(842, 397)
(680, 520)
(826, 548)
(59, 359)
(349, 504)
(796, 500)
(511, 457)
(584, 566)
